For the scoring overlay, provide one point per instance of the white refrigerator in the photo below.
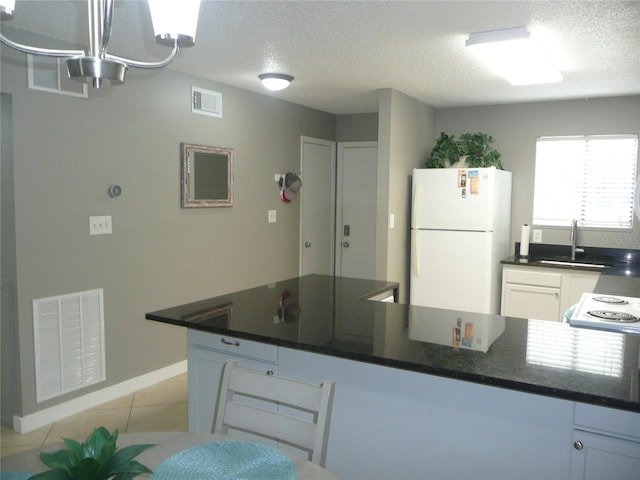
(460, 227)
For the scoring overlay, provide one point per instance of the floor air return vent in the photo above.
(69, 342)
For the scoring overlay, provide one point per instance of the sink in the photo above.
(586, 257)
(574, 263)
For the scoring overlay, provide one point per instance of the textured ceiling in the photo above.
(342, 52)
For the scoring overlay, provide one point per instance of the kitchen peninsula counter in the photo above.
(408, 404)
(331, 316)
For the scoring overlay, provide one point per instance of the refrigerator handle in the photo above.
(637, 202)
(414, 253)
(414, 206)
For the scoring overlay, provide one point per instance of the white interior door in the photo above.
(317, 206)
(356, 209)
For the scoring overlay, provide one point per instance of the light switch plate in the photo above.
(272, 216)
(392, 220)
(100, 225)
(537, 236)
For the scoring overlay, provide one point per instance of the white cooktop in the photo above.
(607, 312)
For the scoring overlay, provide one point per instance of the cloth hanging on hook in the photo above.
(290, 185)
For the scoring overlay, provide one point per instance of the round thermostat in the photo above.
(115, 190)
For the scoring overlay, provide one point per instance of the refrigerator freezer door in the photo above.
(454, 270)
(454, 199)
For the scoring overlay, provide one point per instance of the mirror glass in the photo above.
(207, 176)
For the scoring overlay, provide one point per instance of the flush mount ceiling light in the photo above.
(514, 55)
(275, 81)
(174, 25)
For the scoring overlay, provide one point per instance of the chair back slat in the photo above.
(300, 414)
(271, 424)
(276, 389)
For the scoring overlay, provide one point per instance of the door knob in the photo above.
(345, 244)
(578, 445)
(307, 244)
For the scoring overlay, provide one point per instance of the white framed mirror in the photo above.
(207, 176)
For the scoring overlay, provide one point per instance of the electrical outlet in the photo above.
(392, 221)
(272, 218)
(537, 236)
(100, 225)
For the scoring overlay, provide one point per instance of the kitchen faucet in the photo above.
(574, 239)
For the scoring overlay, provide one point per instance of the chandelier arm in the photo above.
(49, 52)
(139, 64)
(106, 25)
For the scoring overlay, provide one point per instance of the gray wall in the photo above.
(8, 331)
(362, 127)
(515, 128)
(406, 133)
(68, 151)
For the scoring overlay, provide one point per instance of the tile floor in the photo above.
(161, 407)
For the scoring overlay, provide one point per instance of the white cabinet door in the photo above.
(574, 285)
(529, 301)
(597, 457)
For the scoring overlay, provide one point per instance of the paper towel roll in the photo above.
(524, 240)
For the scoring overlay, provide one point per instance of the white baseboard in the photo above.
(49, 415)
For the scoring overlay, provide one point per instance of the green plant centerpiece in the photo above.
(476, 148)
(95, 459)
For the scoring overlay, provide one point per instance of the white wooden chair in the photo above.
(309, 432)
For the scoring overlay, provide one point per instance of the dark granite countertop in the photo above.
(620, 262)
(330, 315)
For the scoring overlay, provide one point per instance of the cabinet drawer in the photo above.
(533, 276)
(233, 345)
(611, 420)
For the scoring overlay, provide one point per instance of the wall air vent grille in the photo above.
(49, 74)
(69, 342)
(206, 102)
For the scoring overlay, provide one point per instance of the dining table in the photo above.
(165, 456)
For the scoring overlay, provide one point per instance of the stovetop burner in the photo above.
(611, 312)
(611, 300)
(609, 315)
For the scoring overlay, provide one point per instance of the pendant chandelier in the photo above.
(174, 25)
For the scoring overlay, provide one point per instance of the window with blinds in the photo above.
(589, 178)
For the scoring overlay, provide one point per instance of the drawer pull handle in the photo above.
(227, 342)
(270, 372)
(578, 445)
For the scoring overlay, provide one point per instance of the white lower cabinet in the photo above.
(207, 355)
(542, 293)
(600, 457)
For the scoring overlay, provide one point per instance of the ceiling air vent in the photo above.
(206, 102)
